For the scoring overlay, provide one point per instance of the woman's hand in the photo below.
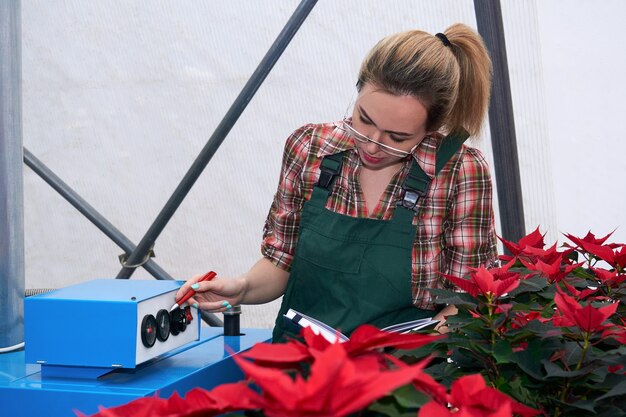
(442, 316)
(216, 295)
(264, 282)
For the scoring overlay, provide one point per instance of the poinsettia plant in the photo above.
(543, 335)
(547, 328)
(315, 377)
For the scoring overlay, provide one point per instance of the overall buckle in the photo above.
(410, 199)
(326, 177)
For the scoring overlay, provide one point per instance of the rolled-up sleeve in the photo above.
(282, 225)
(470, 236)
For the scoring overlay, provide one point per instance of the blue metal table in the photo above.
(24, 392)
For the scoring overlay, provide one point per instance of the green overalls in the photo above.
(348, 270)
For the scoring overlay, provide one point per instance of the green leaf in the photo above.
(469, 360)
(581, 282)
(408, 396)
(529, 359)
(389, 406)
(437, 349)
(581, 405)
(603, 358)
(610, 381)
(543, 330)
(441, 293)
(546, 297)
(612, 411)
(555, 371)
(520, 392)
(503, 352)
(573, 256)
(455, 298)
(525, 306)
(573, 353)
(598, 376)
(619, 389)
(384, 408)
(445, 373)
(584, 274)
(533, 284)
(499, 321)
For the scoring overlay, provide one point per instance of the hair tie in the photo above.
(444, 39)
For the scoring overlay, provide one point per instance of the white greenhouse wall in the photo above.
(120, 96)
(584, 65)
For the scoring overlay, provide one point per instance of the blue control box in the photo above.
(106, 323)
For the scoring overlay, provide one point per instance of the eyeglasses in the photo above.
(360, 137)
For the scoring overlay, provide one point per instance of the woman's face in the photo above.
(396, 121)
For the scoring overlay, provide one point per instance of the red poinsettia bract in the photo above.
(597, 247)
(619, 259)
(521, 319)
(483, 282)
(222, 399)
(584, 294)
(531, 240)
(343, 378)
(590, 238)
(471, 397)
(588, 318)
(531, 249)
(366, 339)
(337, 385)
(611, 279)
(552, 271)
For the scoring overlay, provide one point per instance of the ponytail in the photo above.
(474, 87)
(452, 79)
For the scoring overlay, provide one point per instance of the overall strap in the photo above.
(329, 170)
(450, 145)
(417, 181)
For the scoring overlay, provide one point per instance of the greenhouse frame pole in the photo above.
(100, 222)
(12, 280)
(502, 122)
(144, 247)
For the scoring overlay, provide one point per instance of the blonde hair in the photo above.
(453, 82)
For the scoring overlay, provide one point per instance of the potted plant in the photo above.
(546, 328)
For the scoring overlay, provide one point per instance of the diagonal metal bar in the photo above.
(99, 221)
(231, 117)
(501, 122)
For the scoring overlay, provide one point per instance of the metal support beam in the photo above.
(89, 211)
(11, 182)
(99, 221)
(231, 117)
(502, 123)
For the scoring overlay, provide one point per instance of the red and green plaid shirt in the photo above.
(455, 222)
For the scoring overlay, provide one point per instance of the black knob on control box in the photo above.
(178, 321)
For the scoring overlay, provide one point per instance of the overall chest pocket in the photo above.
(335, 253)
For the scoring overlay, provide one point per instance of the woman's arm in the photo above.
(264, 282)
(267, 279)
(471, 239)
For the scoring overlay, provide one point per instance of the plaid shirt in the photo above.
(455, 222)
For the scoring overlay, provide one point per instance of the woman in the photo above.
(370, 211)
